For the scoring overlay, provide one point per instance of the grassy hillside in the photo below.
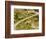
(22, 20)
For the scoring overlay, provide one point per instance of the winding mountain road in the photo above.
(25, 19)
